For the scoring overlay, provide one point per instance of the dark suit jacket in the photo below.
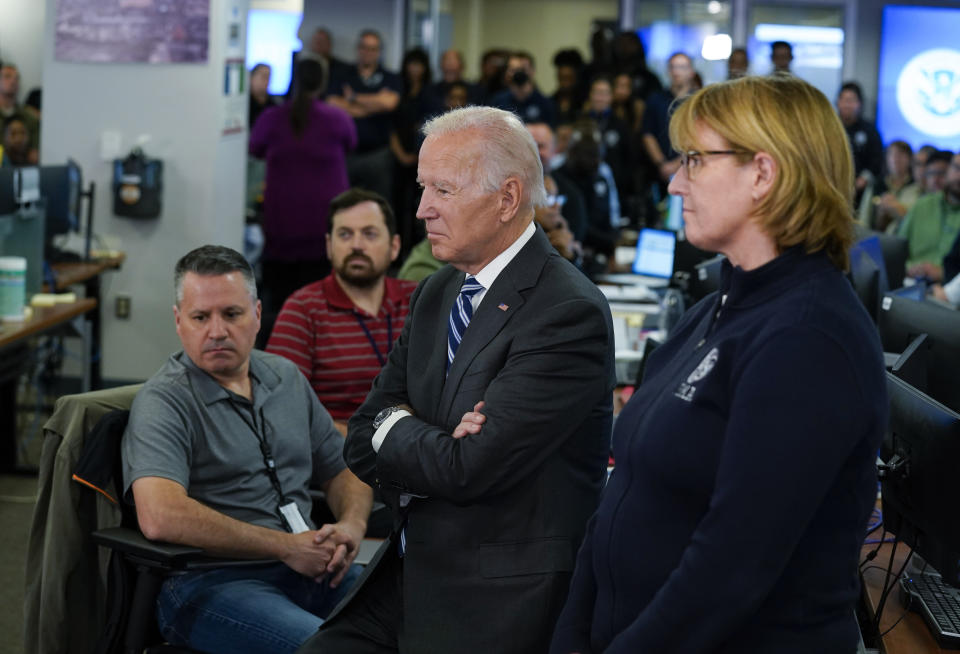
(491, 548)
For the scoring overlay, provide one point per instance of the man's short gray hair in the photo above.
(507, 148)
(213, 260)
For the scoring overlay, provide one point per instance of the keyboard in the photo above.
(630, 279)
(938, 603)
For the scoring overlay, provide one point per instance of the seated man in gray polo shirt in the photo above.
(222, 445)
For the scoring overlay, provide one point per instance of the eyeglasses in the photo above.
(556, 200)
(690, 160)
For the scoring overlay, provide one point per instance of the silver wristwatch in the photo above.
(384, 414)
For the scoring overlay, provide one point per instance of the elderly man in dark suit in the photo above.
(487, 432)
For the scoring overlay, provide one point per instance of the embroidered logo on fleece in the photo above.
(686, 390)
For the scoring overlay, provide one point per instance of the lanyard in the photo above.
(944, 214)
(373, 344)
(268, 461)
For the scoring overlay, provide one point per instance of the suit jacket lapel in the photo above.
(500, 303)
(437, 355)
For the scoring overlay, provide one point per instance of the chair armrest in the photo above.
(133, 543)
(158, 554)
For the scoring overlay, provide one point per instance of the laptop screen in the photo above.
(655, 250)
(914, 292)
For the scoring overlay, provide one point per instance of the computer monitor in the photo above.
(688, 255)
(60, 187)
(655, 252)
(22, 223)
(867, 275)
(706, 278)
(8, 203)
(912, 366)
(919, 483)
(902, 319)
(916, 291)
(895, 252)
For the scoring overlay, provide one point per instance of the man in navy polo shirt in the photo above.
(522, 96)
(370, 94)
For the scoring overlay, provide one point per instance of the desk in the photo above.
(14, 353)
(88, 273)
(911, 636)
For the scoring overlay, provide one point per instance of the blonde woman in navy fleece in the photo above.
(745, 461)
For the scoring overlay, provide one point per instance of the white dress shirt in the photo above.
(487, 275)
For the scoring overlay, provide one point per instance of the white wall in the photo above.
(179, 107)
(21, 38)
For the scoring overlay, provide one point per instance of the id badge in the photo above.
(291, 515)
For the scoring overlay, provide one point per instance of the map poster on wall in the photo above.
(149, 31)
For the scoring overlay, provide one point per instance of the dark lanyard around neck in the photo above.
(373, 344)
(268, 461)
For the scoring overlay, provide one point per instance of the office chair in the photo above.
(78, 598)
(91, 577)
(139, 566)
(65, 573)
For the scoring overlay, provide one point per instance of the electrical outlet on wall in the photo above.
(121, 307)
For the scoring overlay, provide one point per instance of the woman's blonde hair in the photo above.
(811, 201)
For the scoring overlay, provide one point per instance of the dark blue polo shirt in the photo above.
(373, 132)
(537, 108)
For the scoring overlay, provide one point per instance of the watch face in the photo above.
(382, 416)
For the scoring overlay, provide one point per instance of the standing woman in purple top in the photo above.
(304, 143)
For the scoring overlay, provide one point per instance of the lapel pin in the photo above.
(502, 306)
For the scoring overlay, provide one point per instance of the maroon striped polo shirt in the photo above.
(338, 346)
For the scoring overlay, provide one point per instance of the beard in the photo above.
(360, 278)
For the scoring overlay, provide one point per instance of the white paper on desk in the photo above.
(636, 293)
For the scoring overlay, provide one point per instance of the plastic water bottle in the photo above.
(671, 308)
(13, 271)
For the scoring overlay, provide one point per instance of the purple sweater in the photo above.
(303, 174)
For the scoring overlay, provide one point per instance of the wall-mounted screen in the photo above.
(272, 39)
(919, 86)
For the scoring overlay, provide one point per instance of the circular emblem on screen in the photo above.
(705, 367)
(928, 92)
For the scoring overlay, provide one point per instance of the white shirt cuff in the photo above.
(952, 290)
(381, 433)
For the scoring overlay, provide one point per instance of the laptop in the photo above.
(653, 261)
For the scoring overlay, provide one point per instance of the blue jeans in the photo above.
(264, 608)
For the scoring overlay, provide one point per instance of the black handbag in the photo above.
(137, 186)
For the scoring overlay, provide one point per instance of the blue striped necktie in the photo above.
(460, 316)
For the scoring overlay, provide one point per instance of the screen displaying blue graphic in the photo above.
(272, 39)
(919, 85)
(655, 252)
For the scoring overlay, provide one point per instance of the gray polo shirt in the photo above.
(184, 426)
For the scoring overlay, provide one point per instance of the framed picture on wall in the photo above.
(147, 31)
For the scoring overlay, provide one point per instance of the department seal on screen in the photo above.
(928, 92)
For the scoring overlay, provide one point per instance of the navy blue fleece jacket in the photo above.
(744, 477)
